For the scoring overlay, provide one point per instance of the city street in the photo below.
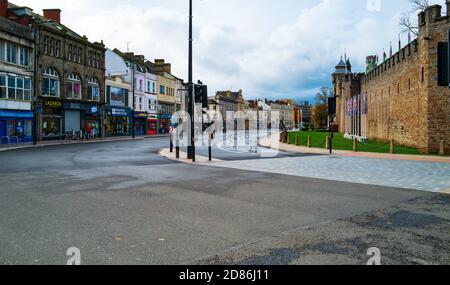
(122, 203)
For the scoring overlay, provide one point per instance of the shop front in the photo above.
(152, 125)
(51, 119)
(164, 123)
(15, 126)
(78, 116)
(140, 123)
(117, 121)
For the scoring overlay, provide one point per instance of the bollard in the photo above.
(210, 147)
(297, 141)
(327, 143)
(177, 149)
(441, 148)
(392, 147)
(309, 141)
(171, 144)
(355, 145)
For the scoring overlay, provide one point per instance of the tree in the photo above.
(408, 26)
(323, 95)
(320, 110)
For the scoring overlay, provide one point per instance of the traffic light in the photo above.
(201, 95)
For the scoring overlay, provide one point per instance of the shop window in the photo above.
(93, 90)
(51, 83)
(162, 89)
(73, 86)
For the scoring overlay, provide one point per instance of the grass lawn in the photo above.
(318, 140)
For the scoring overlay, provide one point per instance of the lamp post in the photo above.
(191, 147)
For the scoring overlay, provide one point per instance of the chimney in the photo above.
(53, 14)
(4, 8)
(168, 68)
(432, 13)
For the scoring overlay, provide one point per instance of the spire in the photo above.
(390, 52)
(409, 37)
(399, 43)
(384, 55)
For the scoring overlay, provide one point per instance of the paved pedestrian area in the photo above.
(425, 176)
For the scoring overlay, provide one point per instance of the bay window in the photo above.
(93, 90)
(74, 86)
(51, 83)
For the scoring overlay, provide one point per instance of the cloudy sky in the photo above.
(268, 48)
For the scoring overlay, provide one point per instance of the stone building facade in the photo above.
(71, 76)
(405, 98)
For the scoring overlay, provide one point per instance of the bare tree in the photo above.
(406, 25)
(420, 5)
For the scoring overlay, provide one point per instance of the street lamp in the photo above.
(191, 147)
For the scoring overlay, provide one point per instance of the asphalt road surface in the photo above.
(121, 203)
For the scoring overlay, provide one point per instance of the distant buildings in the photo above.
(228, 101)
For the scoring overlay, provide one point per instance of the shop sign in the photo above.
(53, 104)
(94, 109)
(165, 117)
(73, 106)
(119, 112)
(140, 115)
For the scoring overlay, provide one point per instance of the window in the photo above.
(46, 45)
(52, 46)
(50, 83)
(24, 56)
(162, 89)
(79, 52)
(90, 58)
(154, 88)
(11, 53)
(3, 87)
(15, 87)
(73, 86)
(423, 74)
(69, 52)
(2, 51)
(140, 85)
(140, 103)
(93, 90)
(58, 48)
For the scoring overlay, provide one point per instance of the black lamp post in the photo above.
(191, 147)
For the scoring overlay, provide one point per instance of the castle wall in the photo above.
(397, 99)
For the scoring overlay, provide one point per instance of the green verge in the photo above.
(318, 140)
